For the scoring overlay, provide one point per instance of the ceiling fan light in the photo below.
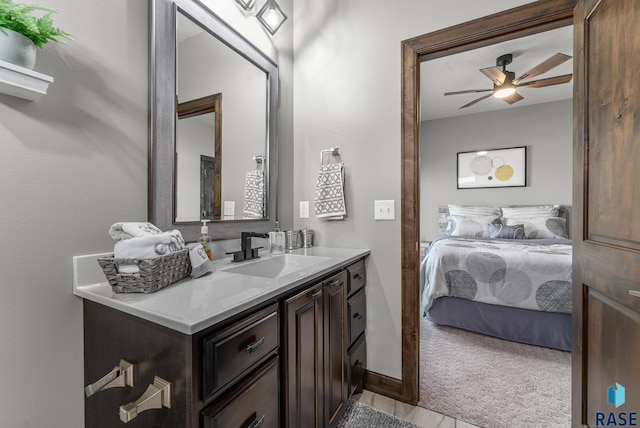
(504, 91)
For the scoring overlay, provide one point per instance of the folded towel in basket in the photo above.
(254, 194)
(329, 200)
(128, 230)
(147, 247)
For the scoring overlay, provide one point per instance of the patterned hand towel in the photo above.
(329, 201)
(254, 196)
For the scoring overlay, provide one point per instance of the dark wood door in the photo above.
(304, 323)
(606, 232)
(335, 343)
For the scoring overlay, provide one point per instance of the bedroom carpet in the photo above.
(493, 383)
(358, 415)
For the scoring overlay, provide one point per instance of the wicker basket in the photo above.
(153, 274)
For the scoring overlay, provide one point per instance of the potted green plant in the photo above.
(22, 29)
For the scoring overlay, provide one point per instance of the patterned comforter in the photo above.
(530, 274)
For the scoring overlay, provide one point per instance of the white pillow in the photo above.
(471, 226)
(470, 210)
(541, 227)
(531, 211)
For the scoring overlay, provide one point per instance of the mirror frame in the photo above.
(162, 104)
(513, 23)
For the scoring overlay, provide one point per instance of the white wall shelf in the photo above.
(21, 82)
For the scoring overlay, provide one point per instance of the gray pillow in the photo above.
(502, 231)
(541, 227)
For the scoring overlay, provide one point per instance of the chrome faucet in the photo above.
(246, 252)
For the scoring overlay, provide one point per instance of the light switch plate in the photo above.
(229, 208)
(304, 209)
(385, 210)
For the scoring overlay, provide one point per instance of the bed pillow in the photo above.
(531, 211)
(470, 226)
(501, 231)
(541, 227)
(473, 210)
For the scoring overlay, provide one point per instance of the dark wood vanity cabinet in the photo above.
(356, 323)
(224, 374)
(291, 361)
(315, 355)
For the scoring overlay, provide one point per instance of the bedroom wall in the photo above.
(546, 131)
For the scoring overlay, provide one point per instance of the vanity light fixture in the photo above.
(246, 4)
(271, 16)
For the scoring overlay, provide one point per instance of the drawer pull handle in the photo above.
(634, 293)
(357, 316)
(334, 283)
(358, 364)
(257, 423)
(253, 346)
(120, 376)
(316, 295)
(357, 276)
(156, 396)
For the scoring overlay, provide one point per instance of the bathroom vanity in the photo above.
(275, 342)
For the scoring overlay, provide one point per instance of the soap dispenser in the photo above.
(276, 241)
(204, 238)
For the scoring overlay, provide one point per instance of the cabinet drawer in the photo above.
(357, 365)
(253, 403)
(357, 277)
(232, 351)
(356, 311)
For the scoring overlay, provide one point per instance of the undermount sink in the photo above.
(278, 265)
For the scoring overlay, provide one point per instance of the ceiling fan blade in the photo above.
(544, 66)
(512, 99)
(470, 91)
(550, 81)
(495, 74)
(476, 101)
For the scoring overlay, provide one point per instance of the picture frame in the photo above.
(492, 168)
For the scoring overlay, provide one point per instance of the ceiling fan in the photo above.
(505, 82)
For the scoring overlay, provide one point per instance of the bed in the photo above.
(501, 271)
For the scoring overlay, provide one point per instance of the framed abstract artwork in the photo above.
(492, 168)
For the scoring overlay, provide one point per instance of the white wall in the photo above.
(71, 164)
(546, 131)
(347, 93)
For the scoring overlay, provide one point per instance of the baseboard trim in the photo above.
(383, 385)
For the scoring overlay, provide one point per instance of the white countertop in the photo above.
(193, 304)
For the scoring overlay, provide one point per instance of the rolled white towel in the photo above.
(127, 230)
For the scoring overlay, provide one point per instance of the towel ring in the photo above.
(335, 151)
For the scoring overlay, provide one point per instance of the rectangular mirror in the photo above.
(213, 125)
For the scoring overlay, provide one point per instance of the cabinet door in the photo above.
(304, 315)
(335, 346)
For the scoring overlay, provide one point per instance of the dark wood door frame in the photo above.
(196, 107)
(522, 21)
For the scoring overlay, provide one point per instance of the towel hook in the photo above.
(260, 161)
(335, 151)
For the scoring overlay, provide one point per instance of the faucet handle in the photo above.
(238, 256)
